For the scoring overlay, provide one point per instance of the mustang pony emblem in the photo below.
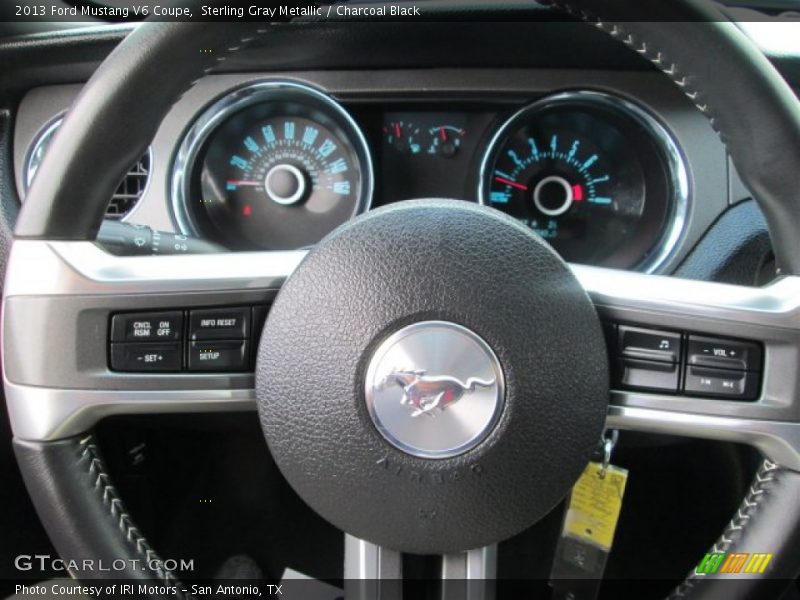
(424, 393)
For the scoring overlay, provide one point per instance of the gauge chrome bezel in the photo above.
(668, 146)
(223, 108)
(44, 135)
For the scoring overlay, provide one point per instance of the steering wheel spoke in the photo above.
(470, 575)
(768, 318)
(371, 571)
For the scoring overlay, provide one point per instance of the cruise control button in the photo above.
(220, 323)
(649, 344)
(147, 327)
(219, 356)
(720, 383)
(146, 357)
(723, 354)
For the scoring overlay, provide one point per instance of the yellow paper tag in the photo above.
(595, 505)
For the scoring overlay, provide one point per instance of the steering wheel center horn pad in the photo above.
(504, 377)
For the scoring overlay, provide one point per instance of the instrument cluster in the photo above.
(277, 165)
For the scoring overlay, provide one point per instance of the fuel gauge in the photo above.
(403, 136)
(445, 140)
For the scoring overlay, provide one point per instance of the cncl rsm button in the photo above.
(147, 327)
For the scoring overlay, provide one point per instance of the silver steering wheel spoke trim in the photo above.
(59, 296)
(372, 572)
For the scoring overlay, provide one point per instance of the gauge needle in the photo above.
(519, 186)
(397, 131)
(442, 134)
(241, 182)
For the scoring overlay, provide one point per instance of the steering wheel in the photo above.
(506, 389)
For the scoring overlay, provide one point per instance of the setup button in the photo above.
(229, 355)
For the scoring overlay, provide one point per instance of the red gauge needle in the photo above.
(397, 131)
(242, 182)
(519, 186)
(442, 134)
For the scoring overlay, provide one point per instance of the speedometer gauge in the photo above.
(597, 177)
(280, 160)
(272, 166)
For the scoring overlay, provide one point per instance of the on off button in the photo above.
(147, 327)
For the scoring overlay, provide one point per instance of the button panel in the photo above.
(206, 339)
(676, 362)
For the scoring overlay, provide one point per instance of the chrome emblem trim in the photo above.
(444, 413)
(423, 393)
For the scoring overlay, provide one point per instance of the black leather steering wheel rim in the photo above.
(761, 130)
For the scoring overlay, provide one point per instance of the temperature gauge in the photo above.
(445, 140)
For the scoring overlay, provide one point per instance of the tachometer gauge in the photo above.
(273, 166)
(553, 175)
(596, 176)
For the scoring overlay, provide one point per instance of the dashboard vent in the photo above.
(130, 189)
(127, 194)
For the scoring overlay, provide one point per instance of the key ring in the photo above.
(609, 441)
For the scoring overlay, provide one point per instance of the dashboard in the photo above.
(613, 169)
